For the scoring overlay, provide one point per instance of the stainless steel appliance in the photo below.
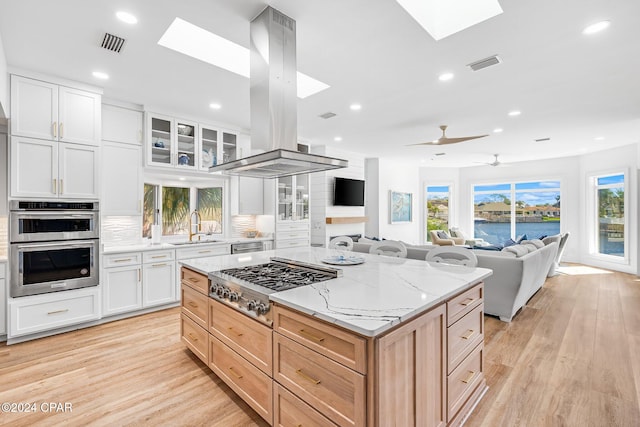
(247, 288)
(54, 246)
(244, 247)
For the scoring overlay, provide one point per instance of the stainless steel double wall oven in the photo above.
(54, 246)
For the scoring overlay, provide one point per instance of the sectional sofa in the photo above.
(516, 276)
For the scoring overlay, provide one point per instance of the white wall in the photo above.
(404, 177)
(623, 159)
(566, 170)
(4, 83)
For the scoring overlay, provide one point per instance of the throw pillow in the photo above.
(488, 248)
(442, 235)
(529, 246)
(536, 242)
(549, 239)
(509, 242)
(517, 249)
(521, 238)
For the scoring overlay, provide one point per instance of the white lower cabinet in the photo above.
(292, 234)
(3, 299)
(135, 280)
(44, 312)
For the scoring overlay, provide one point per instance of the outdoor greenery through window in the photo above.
(174, 205)
(611, 218)
(513, 210)
(437, 209)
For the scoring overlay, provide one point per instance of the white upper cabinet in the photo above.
(41, 168)
(121, 124)
(48, 111)
(172, 142)
(121, 179)
(247, 195)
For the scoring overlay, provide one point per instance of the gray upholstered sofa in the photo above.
(515, 278)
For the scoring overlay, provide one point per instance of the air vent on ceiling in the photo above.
(484, 63)
(112, 43)
(542, 139)
(440, 154)
(327, 115)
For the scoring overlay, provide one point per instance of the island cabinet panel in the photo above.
(411, 373)
(251, 384)
(464, 380)
(194, 337)
(195, 305)
(465, 335)
(249, 338)
(335, 343)
(462, 304)
(289, 411)
(197, 281)
(331, 388)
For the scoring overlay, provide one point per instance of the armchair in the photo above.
(476, 241)
(441, 238)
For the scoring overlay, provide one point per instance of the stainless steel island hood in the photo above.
(273, 105)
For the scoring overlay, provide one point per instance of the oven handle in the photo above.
(57, 215)
(50, 245)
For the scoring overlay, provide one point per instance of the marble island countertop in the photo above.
(368, 298)
(146, 245)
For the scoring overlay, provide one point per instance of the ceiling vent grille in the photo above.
(440, 154)
(112, 43)
(327, 115)
(484, 63)
(542, 139)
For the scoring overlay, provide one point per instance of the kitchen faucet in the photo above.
(198, 223)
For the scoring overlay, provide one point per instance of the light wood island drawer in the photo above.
(335, 391)
(251, 384)
(335, 343)
(460, 305)
(464, 379)
(464, 335)
(289, 411)
(249, 338)
(197, 281)
(194, 337)
(195, 305)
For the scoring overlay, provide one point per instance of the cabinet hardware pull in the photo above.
(468, 335)
(237, 334)
(311, 336)
(55, 129)
(58, 311)
(55, 187)
(159, 265)
(122, 260)
(469, 301)
(61, 129)
(61, 185)
(158, 256)
(204, 252)
(469, 377)
(193, 280)
(139, 274)
(193, 337)
(307, 377)
(235, 374)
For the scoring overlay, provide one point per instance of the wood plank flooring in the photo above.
(571, 357)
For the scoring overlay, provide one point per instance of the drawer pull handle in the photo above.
(159, 265)
(311, 336)
(193, 304)
(159, 256)
(469, 301)
(193, 337)
(122, 260)
(193, 280)
(58, 311)
(469, 377)
(307, 377)
(237, 334)
(204, 252)
(468, 335)
(235, 374)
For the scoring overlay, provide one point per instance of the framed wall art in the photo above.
(400, 209)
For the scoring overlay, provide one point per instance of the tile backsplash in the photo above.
(121, 230)
(241, 223)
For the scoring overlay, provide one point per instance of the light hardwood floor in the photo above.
(570, 358)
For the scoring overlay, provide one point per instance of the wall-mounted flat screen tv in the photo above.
(348, 192)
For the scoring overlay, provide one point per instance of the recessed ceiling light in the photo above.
(126, 17)
(599, 138)
(355, 107)
(182, 178)
(198, 43)
(100, 75)
(596, 28)
(441, 18)
(215, 106)
(445, 77)
(337, 138)
(497, 130)
(514, 113)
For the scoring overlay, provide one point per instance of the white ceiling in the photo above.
(570, 87)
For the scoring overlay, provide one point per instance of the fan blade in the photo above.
(461, 139)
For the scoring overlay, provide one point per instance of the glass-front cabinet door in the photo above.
(229, 147)
(302, 197)
(293, 198)
(285, 198)
(186, 152)
(209, 140)
(161, 141)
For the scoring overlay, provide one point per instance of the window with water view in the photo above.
(513, 210)
(610, 214)
(437, 209)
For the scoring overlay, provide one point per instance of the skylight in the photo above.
(441, 18)
(198, 43)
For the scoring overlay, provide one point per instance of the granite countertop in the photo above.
(147, 246)
(368, 298)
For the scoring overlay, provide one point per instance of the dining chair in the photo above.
(389, 248)
(452, 255)
(341, 242)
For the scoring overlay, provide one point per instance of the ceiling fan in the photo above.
(444, 140)
(495, 162)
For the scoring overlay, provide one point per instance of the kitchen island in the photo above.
(388, 342)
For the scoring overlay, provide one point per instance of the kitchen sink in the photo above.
(197, 242)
